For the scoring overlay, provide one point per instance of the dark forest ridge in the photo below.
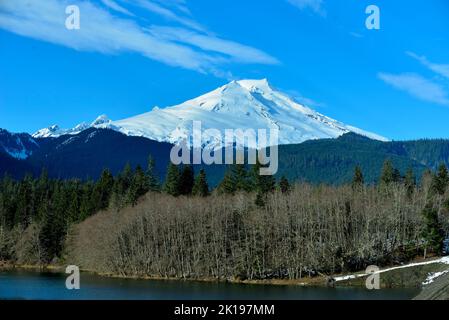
(329, 161)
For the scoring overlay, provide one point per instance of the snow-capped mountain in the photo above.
(244, 104)
(17, 145)
(102, 122)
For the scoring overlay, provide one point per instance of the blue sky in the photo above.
(129, 56)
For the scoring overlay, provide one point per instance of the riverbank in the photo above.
(7, 265)
(35, 285)
(317, 281)
(412, 275)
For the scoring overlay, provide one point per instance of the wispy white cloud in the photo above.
(154, 7)
(179, 5)
(115, 6)
(356, 34)
(417, 86)
(102, 31)
(237, 52)
(316, 6)
(441, 69)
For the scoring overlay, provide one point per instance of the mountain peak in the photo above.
(55, 131)
(252, 85)
(102, 119)
(47, 132)
(243, 104)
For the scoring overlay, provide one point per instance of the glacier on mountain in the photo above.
(244, 104)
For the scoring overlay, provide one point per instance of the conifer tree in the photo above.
(432, 232)
(284, 185)
(87, 207)
(73, 210)
(440, 181)
(24, 201)
(227, 185)
(201, 188)
(262, 183)
(127, 176)
(186, 180)
(358, 180)
(241, 178)
(103, 190)
(153, 180)
(172, 180)
(410, 182)
(139, 186)
(121, 187)
(388, 175)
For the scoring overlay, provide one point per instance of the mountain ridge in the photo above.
(329, 161)
(243, 104)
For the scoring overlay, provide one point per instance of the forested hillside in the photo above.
(331, 161)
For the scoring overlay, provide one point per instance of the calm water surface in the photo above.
(51, 285)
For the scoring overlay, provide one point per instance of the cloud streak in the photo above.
(315, 5)
(115, 6)
(417, 86)
(105, 32)
(156, 8)
(441, 69)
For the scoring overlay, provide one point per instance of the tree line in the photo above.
(304, 231)
(51, 206)
(38, 214)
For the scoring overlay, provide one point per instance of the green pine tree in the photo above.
(153, 179)
(284, 185)
(24, 202)
(201, 188)
(358, 180)
(410, 182)
(172, 180)
(186, 180)
(440, 181)
(432, 232)
(262, 183)
(103, 190)
(139, 186)
(388, 174)
(241, 178)
(227, 185)
(73, 211)
(87, 205)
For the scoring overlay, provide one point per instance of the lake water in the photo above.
(50, 285)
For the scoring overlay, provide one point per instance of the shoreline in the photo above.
(336, 280)
(318, 281)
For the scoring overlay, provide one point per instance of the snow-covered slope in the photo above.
(54, 131)
(245, 104)
(17, 145)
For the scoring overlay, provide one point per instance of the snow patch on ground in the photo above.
(21, 155)
(434, 275)
(444, 260)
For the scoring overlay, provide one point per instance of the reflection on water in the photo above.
(49, 285)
